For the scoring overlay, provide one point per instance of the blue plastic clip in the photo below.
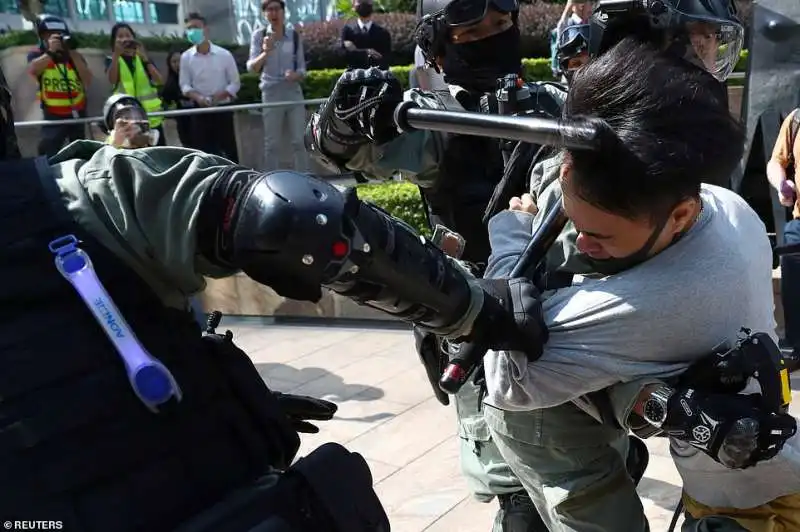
(151, 381)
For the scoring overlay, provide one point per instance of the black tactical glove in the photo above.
(734, 430)
(300, 408)
(511, 317)
(366, 99)
(359, 110)
(433, 358)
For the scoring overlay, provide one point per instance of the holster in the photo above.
(330, 490)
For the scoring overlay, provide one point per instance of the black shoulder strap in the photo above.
(795, 125)
(295, 39)
(793, 128)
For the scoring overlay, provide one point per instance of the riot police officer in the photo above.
(473, 43)
(118, 413)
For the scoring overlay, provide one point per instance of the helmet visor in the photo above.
(469, 12)
(573, 37)
(131, 114)
(713, 43)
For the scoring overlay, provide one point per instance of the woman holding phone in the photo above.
(130, 71)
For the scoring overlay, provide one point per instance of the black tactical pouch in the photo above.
(330, 490)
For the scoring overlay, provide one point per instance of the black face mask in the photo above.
(477, 65)
(616, 265)
(364, 10)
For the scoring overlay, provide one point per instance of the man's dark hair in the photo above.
(194, 15)
(266, 3)
(669, 131)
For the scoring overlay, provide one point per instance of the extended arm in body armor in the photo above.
(341, 145)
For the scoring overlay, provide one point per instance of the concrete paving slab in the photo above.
(388, 414)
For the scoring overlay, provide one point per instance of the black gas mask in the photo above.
(474, 65)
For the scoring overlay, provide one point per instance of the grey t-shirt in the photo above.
(652, 321)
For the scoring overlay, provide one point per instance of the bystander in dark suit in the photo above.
(365, 42)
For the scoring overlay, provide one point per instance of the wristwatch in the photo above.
(654, 409)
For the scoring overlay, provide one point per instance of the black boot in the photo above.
(518, 514)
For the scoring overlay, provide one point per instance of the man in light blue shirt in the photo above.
(276, 52)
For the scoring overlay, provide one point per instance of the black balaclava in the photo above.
(477, 65)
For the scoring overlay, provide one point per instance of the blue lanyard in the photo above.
(151, 381)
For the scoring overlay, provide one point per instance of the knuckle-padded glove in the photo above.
(511, 318)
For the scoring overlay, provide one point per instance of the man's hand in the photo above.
(55, 44)
(525, 204)
(787, 194)
(300, 409)
(128, 134)
(734, 430)
(292, 75)
(349, 45)
(374, 54)
(220, 97)
(268, 43)
(365, 100)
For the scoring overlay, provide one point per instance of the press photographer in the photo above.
(63, 77)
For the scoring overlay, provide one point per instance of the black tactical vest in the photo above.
(76, 444)
(468, 172)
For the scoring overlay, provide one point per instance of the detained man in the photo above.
(694, 267)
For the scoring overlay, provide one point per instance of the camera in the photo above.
(130, 44)
(68, 41)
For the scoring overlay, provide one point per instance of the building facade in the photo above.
(236, 20)
(146, 17)
(229, 20)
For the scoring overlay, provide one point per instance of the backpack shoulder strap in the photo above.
(795, 125)
(295, 41)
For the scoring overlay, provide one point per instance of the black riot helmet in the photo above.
(705, 32)
(53, 24)
(572, 48)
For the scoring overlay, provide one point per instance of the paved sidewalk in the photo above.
(388, 414)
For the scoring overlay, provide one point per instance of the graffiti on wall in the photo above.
(249, 18)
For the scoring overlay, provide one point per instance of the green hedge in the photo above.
(319, 83)
(399, 198)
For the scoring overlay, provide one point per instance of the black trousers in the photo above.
(57, 136)
(214, 133)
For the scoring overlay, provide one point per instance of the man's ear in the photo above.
(683, 215)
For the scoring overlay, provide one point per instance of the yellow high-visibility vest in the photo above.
(137, 84)
(61, 90)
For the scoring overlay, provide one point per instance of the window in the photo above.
(56, 7)
(91, 9)
(9, 6)
(129, 11)
(162, 13)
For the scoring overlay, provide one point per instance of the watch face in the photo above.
(654, 411)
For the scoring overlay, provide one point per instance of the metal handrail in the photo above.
(219, 109)
(177, 112)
